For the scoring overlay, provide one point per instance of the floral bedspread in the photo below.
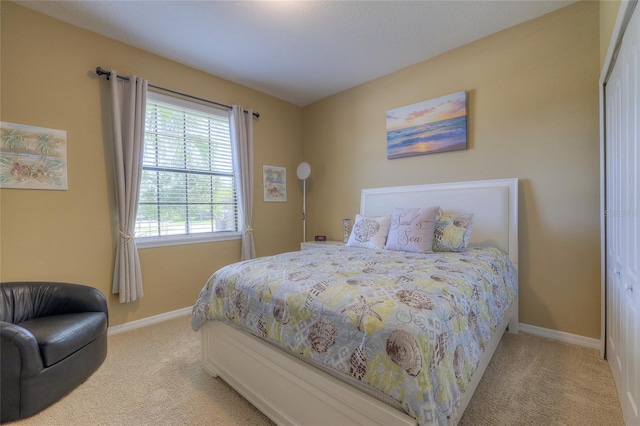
(410, 325)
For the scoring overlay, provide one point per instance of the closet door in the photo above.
(623, 221)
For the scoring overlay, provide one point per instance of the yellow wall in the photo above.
(47, 80)
(533, 115)
(608, 14)
(533, 105)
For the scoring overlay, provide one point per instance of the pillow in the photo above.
(452, 232)
(369, 232)
(412, 230)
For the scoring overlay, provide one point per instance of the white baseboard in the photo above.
(561, 336)
(148, 321)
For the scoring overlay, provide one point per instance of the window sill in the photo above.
(151, 242)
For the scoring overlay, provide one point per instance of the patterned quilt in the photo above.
(411, 325)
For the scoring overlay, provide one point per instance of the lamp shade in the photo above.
(304, 171)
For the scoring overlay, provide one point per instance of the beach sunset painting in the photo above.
(436, 125)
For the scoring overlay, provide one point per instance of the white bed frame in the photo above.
(291, 392)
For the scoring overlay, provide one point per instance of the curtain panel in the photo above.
(129, 98)
(242, 142)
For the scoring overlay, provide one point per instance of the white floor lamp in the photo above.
(303, 172)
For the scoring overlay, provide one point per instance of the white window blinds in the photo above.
(188, 178)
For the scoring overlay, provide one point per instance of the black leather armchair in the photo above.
(54, 336)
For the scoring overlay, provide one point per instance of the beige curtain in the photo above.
(242, 141)
(129, 98)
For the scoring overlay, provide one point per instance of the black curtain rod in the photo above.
(100, 71)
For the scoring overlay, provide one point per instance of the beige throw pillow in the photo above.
(411, 230)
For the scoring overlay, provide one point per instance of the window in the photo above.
(187, 191)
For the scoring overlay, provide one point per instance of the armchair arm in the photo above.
(20, 353)
(23, 301)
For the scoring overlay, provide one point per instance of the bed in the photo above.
(312, 356)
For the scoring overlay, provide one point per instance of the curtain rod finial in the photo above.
(100, 71)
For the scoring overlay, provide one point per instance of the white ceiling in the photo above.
(299, 51)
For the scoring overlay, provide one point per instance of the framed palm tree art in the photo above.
(32, 157)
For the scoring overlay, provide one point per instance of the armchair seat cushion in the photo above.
(59, 336)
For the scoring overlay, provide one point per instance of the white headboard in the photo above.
(494, 204)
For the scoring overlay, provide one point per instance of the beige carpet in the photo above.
(152, 376)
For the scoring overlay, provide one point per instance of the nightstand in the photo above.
(310, 245)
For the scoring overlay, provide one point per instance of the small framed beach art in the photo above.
(429, 127)
(32, 157)
(275, 184)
